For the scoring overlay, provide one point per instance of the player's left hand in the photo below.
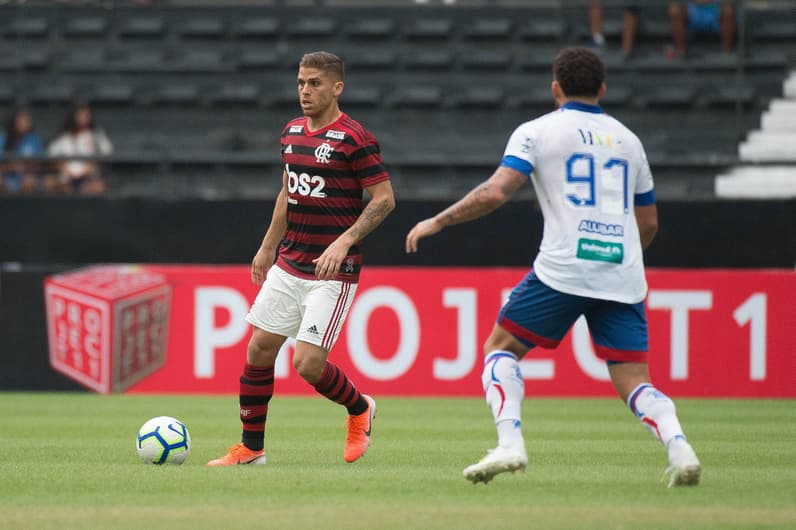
(425, 228)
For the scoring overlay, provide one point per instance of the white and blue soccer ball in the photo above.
(163, 440)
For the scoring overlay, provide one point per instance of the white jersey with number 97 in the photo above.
(589, 171)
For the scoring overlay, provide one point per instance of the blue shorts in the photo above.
(703, 18)
(538, 315)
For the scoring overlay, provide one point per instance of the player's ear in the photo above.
(338, 88)
(601, 92)
(555, 89)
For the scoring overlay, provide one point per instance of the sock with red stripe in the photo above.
(504, 390)
(656, 412)
(334, 385)
(256, 390)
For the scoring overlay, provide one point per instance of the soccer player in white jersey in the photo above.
(595, 190)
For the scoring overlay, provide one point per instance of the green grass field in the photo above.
(69, 461)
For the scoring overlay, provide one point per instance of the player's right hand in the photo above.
(425, 228)
(260, 264)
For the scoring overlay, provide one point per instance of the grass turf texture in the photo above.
(69, 461)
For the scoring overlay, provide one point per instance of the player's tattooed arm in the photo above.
(372, 216)
(382, 202)
(484, 198)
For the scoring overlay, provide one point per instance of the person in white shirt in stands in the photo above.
(80, 137)
(595, 190)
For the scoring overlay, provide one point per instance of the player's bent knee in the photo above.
(261, 352)
(502, 340)
(310, 369)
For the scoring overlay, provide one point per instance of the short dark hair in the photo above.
(325, 61)
(579, 71)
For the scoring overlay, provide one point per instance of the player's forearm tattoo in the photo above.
(371, 217)
(475, 204)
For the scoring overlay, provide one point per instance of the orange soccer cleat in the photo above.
(239, 454)
(358, 439)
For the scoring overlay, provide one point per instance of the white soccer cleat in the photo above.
(498, 460)
(684, 467)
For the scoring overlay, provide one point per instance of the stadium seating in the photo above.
(201, 93)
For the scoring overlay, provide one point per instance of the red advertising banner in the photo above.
(419, 332)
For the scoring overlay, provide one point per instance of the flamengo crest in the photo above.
(323, 152)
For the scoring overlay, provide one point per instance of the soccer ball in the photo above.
(163, 440)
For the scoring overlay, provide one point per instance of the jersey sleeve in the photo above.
(521, 150)
(366, 162)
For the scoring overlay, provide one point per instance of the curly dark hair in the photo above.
(325, 61)
(579, 71)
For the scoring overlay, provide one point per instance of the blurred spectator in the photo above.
(81, 137)
(701, 16)
(20, 141)
(629, 27)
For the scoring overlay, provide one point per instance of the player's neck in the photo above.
(324, 119)
(586, 101)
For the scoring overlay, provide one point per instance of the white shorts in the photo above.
(310, 310)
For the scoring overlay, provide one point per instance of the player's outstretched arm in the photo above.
(481, 200)
(264, 257)
(382, 202)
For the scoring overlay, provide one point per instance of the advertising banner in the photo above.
(419, 332)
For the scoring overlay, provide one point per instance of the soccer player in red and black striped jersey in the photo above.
(317, 227)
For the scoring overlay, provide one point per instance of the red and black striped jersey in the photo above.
(326, 170)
